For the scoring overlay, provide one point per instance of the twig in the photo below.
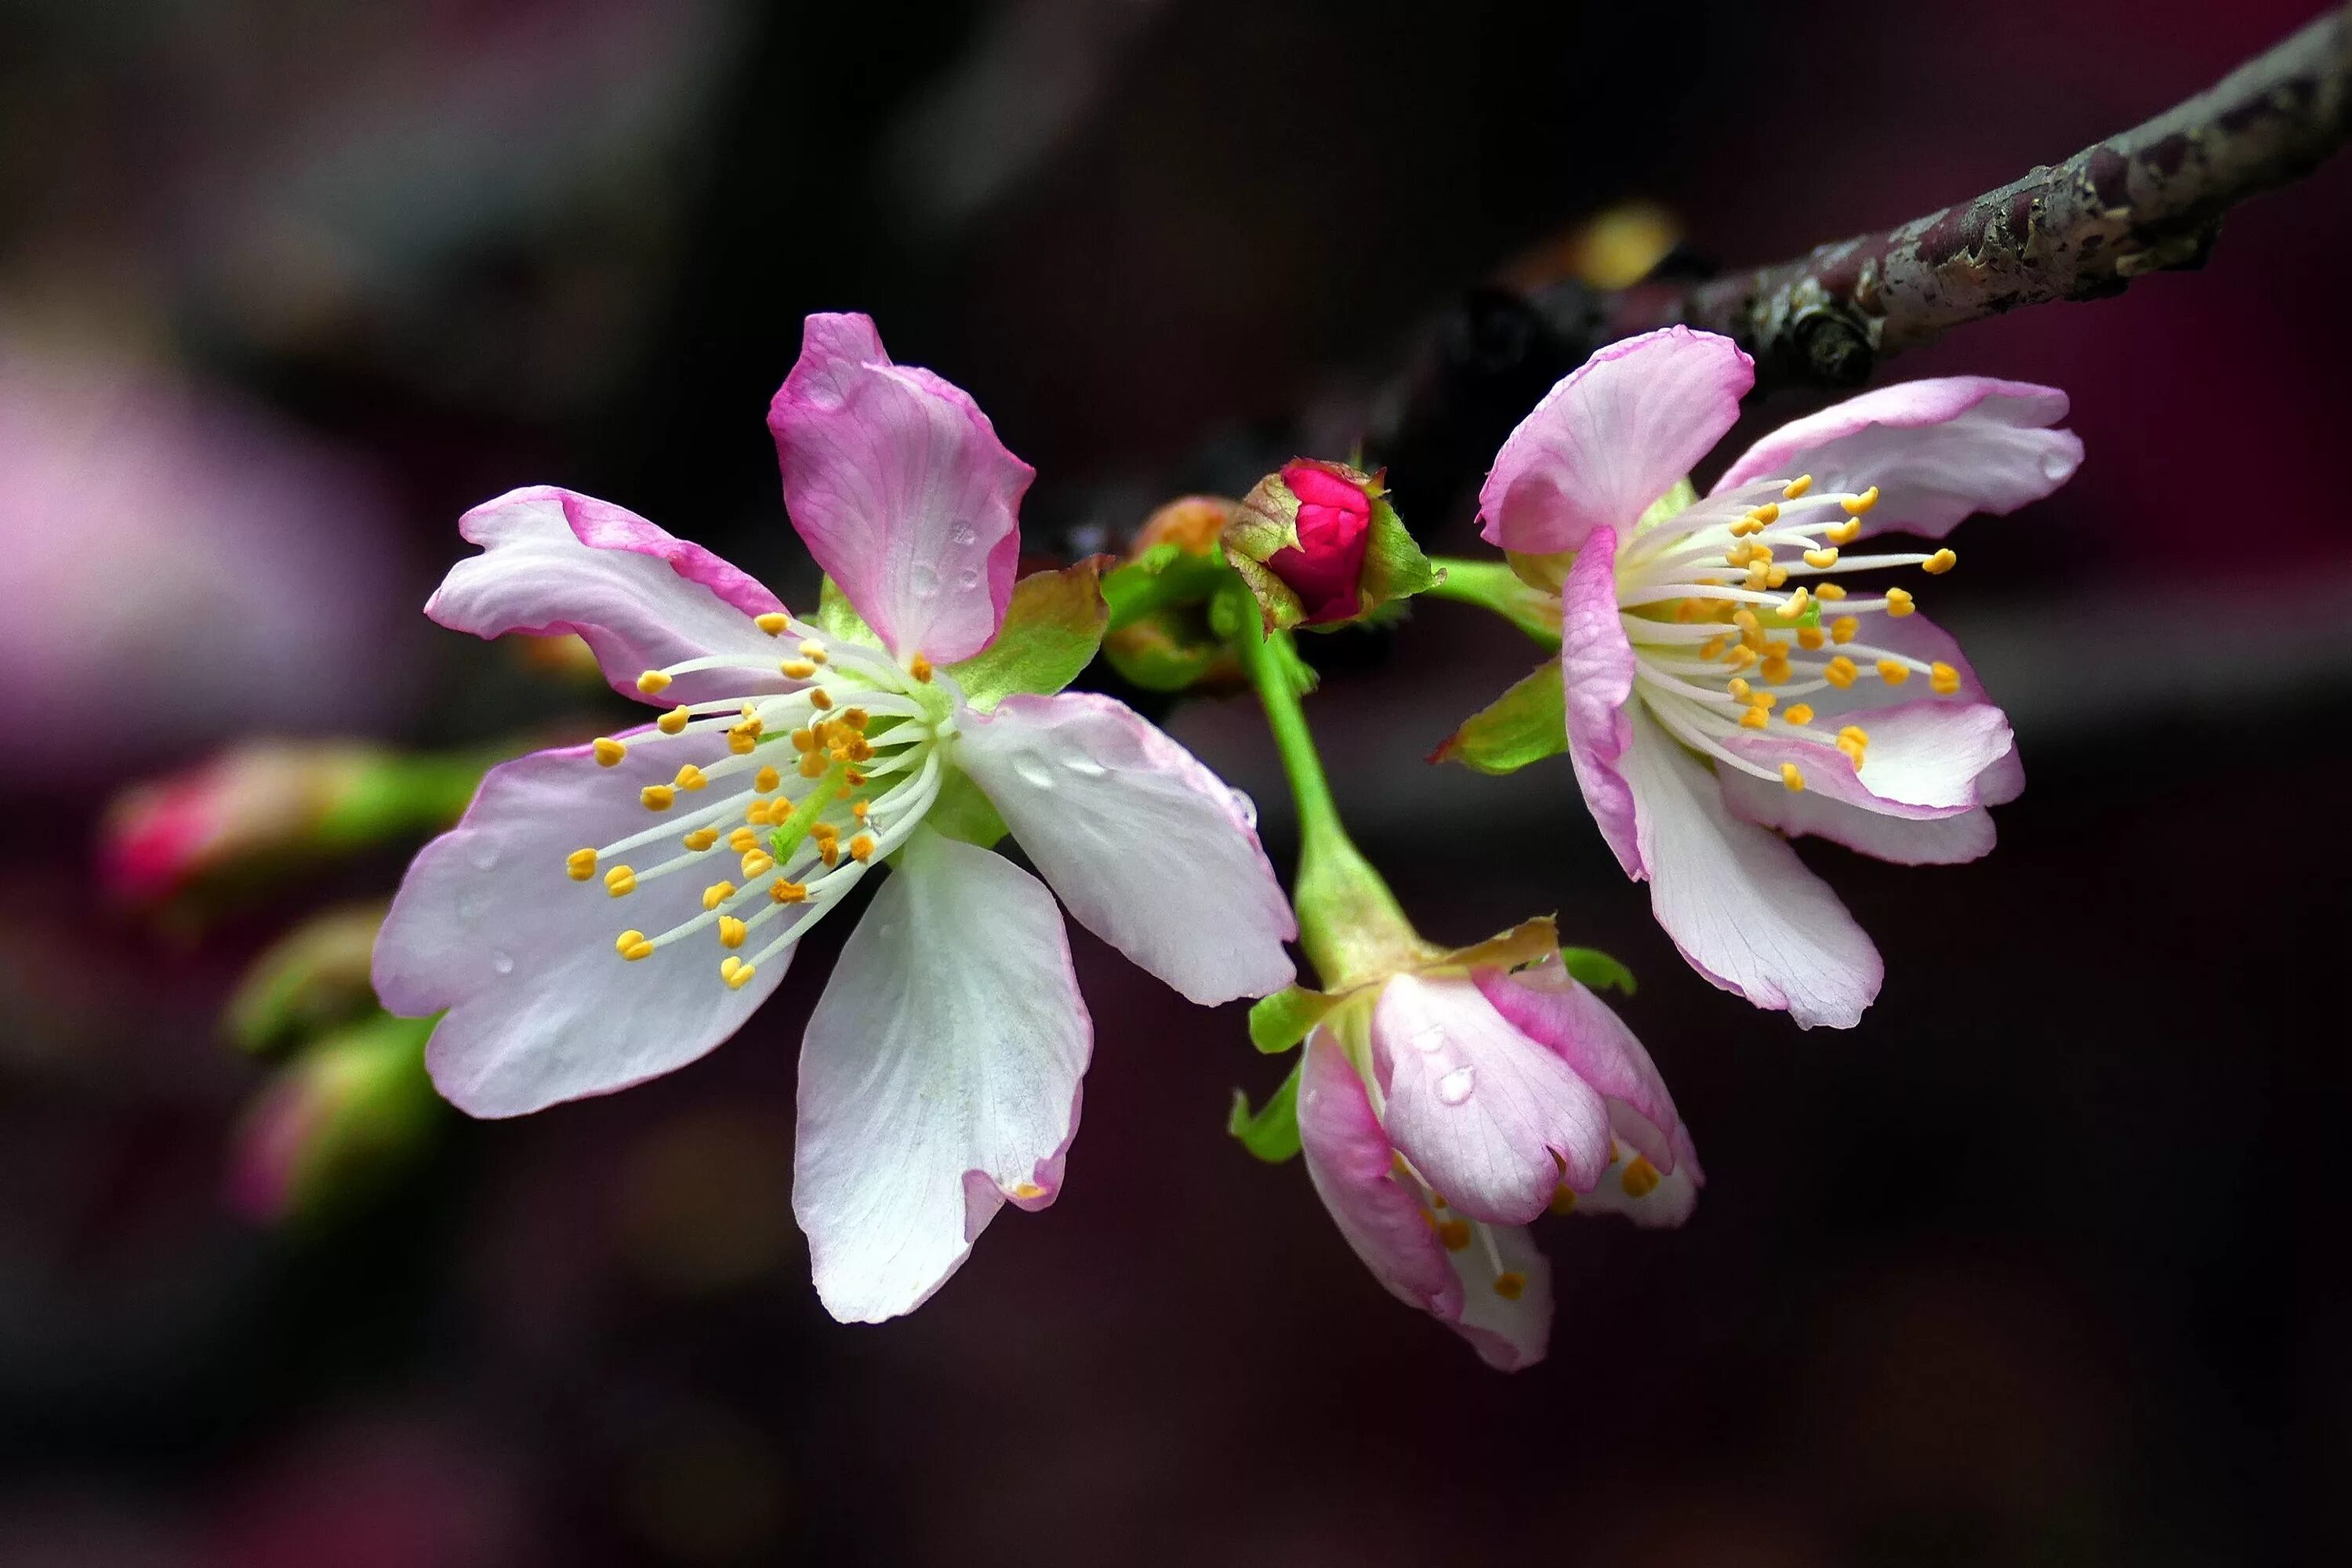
(2147, 199)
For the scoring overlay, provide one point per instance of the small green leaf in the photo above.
(1280, 1020)
(1052, 628)
(834, 617)
(962, 812)
(1395, 567)
(1597, 969)
(1525, 724)
(1272, 1132)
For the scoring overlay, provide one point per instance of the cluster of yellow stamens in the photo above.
(1717, 616)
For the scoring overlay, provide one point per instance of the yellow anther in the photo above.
(1640, 1178)
(1854, 741)
(797, 669)
(1792, 776)
(1938, 564)
(1453, 1233)
(657, 797)
(1742, 527)
(620, 881)
(1740, 658)
(856, 718)
(829, 851)
(1796, 486)
(771, 623)
(760, 812)
(820, 699)
(1745, 619)
(859, 809)
(757, 863)
(1857, 733)
(633, 945)
(1768, 514)
(1899, 603)
(1759, 576)
(1775, 648)
(1737, 555)
(1795, 604)
(1763, 699)
(609, 751)
(738, 977)
(813, 766)
(731, 932)
(1844, 533)
(1024, 1190)
(856, 779)
(717, 894)
(1809, 639)
(742, 841)
(701, 839)
(1841, 672)
(812, 651)
(1776, 576)
(1563, 1199)
(653, 682)
(690, 777)
(920, 668)
(861, 750)
(1754, 718)
(1845, 628)
(581, 864)
(1776, 669)
(1685, 611)
(1856, 505)
(861, 849)
(766, 780)
(1893, 671)
(804, 740)
(824, 832)
(1824, 559)
(741, 744)
(1737, 687)
(1798, 713)
(1510, 1284)
(671, 722)
(1943, 679)
(785, 892)
(1831, 591)
(1712, 647)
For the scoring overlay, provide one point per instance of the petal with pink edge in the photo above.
(1736, 900)
(1596, 674)
(901, 490)
(1949, 840)
(1551, 1007)
(940, 1078)
(488, 928)
(1150, 849)
(1937, 450)
(1612, 437)
(555, 561)
(1655, 1201)
(1478, 1107)
(1923, 761)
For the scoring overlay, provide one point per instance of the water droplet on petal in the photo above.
(1433, 1039)
(1085, 767)
(1032, 770)
(502, 961)
(968, 579)
(2057, 465)
(486, 856)
(469, 908)
(1454, 1086)
(964, 534)
(1246, 806)
(922, 580)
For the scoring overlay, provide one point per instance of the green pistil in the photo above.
(787, 837)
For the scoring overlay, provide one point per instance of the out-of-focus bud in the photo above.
(311, 979)
(335, 1123)
(1160, 638)
(1320, 546)
(259, 808)
(558, 657)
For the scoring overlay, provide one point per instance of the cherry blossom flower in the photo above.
(940, 1075)
(1721, 688)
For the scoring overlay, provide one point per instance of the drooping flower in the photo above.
(940, 1075)
(1444, 1106)
(1720, 683)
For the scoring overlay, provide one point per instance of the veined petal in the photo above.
(1737, 901)
(1945, 841)
(1551, 1007)
(1596, 667)
(940, 1078)
(489, 928)
(1917, 636)
(1612, 437)
(1147, 847)
(556, 560)
(1479, 1108)
(901, 490)
(1510, 1334)
(1923, 760)
(1939, 450)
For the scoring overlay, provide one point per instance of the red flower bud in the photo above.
(1335, 525)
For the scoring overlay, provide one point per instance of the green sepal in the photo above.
(1169, 649)
(1272, 1131)
(1053, 625)
(311, 980)
(1162, 576)
(1597, 969)
(1395, 567)
(1525, 724)
(1279, 1021)
(962, 812)
(835, 619)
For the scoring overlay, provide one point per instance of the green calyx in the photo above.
(1266, 523)
(1525, 725)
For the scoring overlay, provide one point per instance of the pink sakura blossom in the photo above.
(1721, 689)
(940, 1075)
(1441, 1114)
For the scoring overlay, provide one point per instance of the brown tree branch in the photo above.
(2147, 199)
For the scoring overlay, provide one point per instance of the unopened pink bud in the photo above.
(1335, 525)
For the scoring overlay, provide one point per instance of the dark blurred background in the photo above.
(2032, 1268)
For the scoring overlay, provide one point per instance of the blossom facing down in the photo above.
(939, 1074)
(1722, 687)
(1441, 1111)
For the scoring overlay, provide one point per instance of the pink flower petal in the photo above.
(489, 928)
(1923, 760)
(1548, 1005)
(940, 1078)
(1477, 1107)
(1952, 840)
(1737, 901)
(1596, 670)
(1660, 1206)
(1148, 847)
(1937, 450)
(1612, 437)
(901, 490)
(555, 561)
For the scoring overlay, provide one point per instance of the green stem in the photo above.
(788, 834)
(1348, 921)
(1493, 585)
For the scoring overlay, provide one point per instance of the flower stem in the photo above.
(1493, 585)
